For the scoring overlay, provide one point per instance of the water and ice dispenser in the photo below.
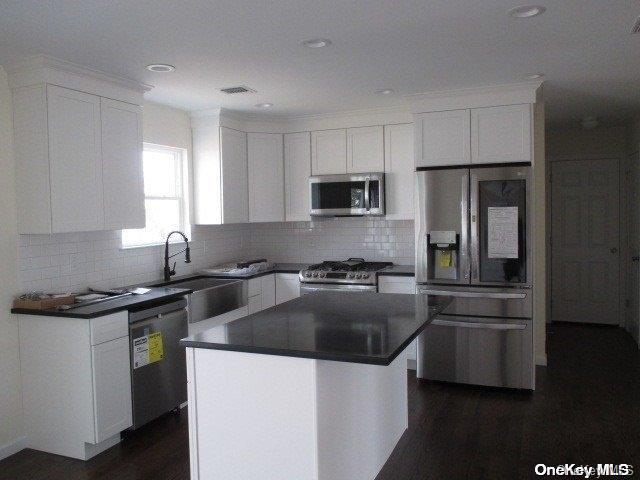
(443, 251)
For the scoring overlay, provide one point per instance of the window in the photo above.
(165, 192)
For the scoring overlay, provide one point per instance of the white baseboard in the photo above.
(13, 447)
(541, 360)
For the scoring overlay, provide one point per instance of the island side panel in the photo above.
(255, 416)
(362, 413)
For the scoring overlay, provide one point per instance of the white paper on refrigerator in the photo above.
(502, 234)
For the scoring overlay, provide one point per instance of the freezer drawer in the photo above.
(493, 352)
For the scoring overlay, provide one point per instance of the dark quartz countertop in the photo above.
(156, 296)
(370, 328)
(399, 270)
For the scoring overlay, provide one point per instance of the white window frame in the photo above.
(182, 187)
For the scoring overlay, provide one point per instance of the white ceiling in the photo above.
(584, 47)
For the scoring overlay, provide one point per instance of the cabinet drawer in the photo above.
(109, 327)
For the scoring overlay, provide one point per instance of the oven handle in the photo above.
(487, 326)
(498, 295)
(367, 200)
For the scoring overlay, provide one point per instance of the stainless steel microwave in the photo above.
(347, 195)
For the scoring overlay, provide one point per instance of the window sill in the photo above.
(148, 245)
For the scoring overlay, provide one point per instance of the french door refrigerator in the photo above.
(473, 243)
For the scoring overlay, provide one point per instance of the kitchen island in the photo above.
(314, 388)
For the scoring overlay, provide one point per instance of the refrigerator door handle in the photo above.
(465, 268)
(450, 293)
(487, 326)
(474, 249)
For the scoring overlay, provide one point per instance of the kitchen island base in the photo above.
(277, 417)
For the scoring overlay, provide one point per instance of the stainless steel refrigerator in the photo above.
(473, 243)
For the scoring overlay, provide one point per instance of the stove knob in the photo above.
(349, 275)
(365, 275)
(358, 276)
(315, 274)
(307, 274)
(322, 274)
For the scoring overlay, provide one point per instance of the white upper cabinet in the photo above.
(365, 151)
(501, 134)
(442, 138)
(329, 152)
(75, 160)
(122, 165)
(266, 177)
(234, 187)
(297, 169)
(399, 171)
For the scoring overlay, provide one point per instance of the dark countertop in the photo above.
(370, 328)
(277, 268)
(156, 296)
(399, 270)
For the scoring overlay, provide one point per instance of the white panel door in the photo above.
(266, 177)
(235, 196)
(111, 388)
(75, 160)
(365, 149)
(287, 287)
(442, 138)
(501, 134)
(122, 165)
(399, 171)
(268, 283)
(585, 241)
(329, 152)
(297, 169)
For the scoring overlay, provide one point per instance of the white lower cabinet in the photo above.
(262, 293)
(287, 287)
(401, 284)
(76, 382)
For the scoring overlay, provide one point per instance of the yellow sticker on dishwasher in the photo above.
(156, 347)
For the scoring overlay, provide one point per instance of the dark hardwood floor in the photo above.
(586, 410)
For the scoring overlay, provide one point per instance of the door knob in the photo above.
(614, 250)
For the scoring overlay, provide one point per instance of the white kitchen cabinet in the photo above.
(287, 287)
(399, 171)
(268, 283)
(76, 382)
(75, 160)
(501, 134)
(266, 177)
(329, 152)
(442, 138)
(401, 284)
(365, 149)
(234, 191)
(79, 161)
(122, 165)
(297, 169)
(261, 292)
(220, 175)
(111, 387)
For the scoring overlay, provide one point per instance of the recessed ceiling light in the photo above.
(526, 11)
(161, 67)
(535, 76)
(264, 105)
(385, 91)
(316, 42)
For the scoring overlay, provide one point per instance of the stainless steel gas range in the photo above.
(352, 275)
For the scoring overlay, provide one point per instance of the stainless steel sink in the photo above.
(211, 296)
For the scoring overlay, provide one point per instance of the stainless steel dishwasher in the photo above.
(158, 364)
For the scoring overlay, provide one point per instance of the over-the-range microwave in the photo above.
(347, 195)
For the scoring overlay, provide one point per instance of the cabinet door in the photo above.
(111, 388)
(122, 179)
(266, 177)
(268, 291)
(501, 134)
(287, 287)
(399, 171)
(365, 149)
(297, 169)
(442, 138)
(75, 160)
(255, 304)
(235, 197)
(329, 152)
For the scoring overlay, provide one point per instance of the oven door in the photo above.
(327, 287)
(347, 195)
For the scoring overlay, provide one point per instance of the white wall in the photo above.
(10, 400)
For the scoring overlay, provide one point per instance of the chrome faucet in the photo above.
(168, 272)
